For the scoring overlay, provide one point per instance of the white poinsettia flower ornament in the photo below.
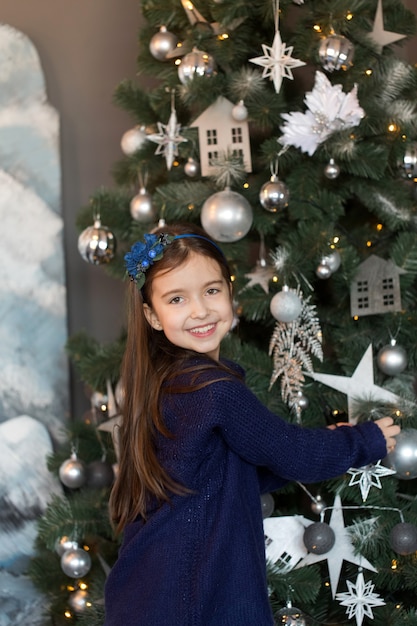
(329, 109)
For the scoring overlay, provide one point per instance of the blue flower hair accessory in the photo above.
(143, 254)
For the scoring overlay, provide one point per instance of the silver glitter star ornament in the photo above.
(168, 138)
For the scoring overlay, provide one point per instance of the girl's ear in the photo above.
(151, 317)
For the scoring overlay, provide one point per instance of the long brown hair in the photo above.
(149, 361)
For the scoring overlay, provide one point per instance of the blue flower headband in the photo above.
(143, 254)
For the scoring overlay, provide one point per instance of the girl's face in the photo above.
(192, 305)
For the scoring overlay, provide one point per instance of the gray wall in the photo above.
(86, 48)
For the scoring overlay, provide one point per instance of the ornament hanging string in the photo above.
(275, 10)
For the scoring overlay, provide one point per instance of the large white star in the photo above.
(343, 550)
(359, 387)
(277, 61)
(359, 599)
(380, 36)
(168, 139)
(369, 476)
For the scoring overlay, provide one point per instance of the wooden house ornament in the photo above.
(376, 288)
(219, 133)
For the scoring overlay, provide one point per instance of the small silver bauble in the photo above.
(336, 52)
(323, 271)
(403, 538)
(285, 305)
(63, 544)
(290, 616)
(318, 504)
(192, 167)
(133, 139)
(240, 112)
(332, 170)
(392, 359)
(196, 64)
(78, 600)
(72, 472)
(97, 244)
(408, 165)
(226, 216)
(302, 400)
(76, 563)
(162, 43)
(319, 538)
(267, 504)
(333, 260)
(403, 458)
(142, 208)
(274, 194)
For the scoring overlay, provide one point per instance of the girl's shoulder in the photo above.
(197, 370)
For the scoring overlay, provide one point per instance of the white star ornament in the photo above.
(369, 476)
(168, 139)
(277, 61)
(380, 36)
(360, 599)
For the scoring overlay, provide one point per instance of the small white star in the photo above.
(380, 36)
(261, 275)
(277, 61)
(168, 139)
(369, 476)
(360, 599)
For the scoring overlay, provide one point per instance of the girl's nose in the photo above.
(199, 309)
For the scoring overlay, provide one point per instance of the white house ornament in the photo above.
(162, 44)
(375, 288)
(133, 139)
(381, 37)
(196, 64)
(97, 244)
(220, 133)
(369, 476)
(392, 359)
(343, 549)
(358, 387)
(329, 110)
(168, 138)
(336, 52)
(359, 599)
(226, 216)
(284, 545)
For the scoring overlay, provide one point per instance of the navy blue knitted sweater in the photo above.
(201, 560)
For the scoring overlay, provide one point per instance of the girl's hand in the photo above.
(389, 430)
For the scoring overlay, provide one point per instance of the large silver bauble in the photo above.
(97, 244)
(290, 616)
(76, 563)
(403, 458)
(332, 170)
(336, 52)
(267, 504)
(274, 195)
(226, 216)
(408, 165)
(162, 43)
(319, 538)
(133, 139)
(403, 538)
(285, 305)
(72, 473)
(142, 208)
(196, 64)
(392, 359)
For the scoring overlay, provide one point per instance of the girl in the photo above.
(197, 449)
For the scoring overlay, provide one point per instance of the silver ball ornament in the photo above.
(196, 64)
(79, 600)
(162, 43)
(403, 538)
(274, 195)
(392, 359)
(290, 616)
(267, 504)
(332, 170)
(100, 474)
(323, 270)
(319, 538)
(192, 167)
(133, 139)
(403, 458)
(97, 244)
(408, 165)
(336, 52)
(63, 544)
(76, 563)
(285, 306)
(301, 400)
(142, 208)
(240, 112)
(72, 472)
(318, 505)
(332, 260)
(226, 216)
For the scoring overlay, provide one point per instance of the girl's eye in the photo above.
(213, 290)
(175, 300)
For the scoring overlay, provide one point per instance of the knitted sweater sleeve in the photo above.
(289, 451)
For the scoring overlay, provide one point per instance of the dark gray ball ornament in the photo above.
(319, 538)
(403, 538)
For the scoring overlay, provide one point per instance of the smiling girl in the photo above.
(197, 449)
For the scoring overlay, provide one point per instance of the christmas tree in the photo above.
(289, 131)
